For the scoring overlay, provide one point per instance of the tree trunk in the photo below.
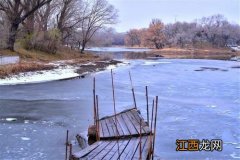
(29, 25)
(12, 36)
(156, 45)
(83, 46)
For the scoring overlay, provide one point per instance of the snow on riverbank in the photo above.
(66, 69)
(59, 73)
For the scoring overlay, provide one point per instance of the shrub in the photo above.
(43, 41)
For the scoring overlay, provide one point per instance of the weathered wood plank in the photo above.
(132, 121)
(111, 127)
(130, 126)
(99, 149)
(136, 153)
(115, 129)
(106, 150)
(144, 149)
(138, 117)
(132, 143)
(105, 129)
(127, 110)
(132, 150)
(101, 132)
(114, 150)
(117, 155)
(87, 150)
(123, 125)
(119, 127)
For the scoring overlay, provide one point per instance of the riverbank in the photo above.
(36, 67)
(61, 70)
(172, 53)
(195, 53)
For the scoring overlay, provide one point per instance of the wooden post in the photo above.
(114, 105)
(153, 104)
(70, 151)
(133, 93)
(151, 133)
(66, 146)
(147, 105)
(94, 100)
(140, 142)
(155, 124)
(97, 120)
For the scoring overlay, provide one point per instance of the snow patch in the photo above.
(25, 138)
(149, 63)
(111, 67)
(212, 106)
(89, 63)
(11, 119)
(60, 73)
(26, 121)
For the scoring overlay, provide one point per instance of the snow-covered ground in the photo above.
(62, 72)
(236, 48)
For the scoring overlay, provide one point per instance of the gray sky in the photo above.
(138, 13)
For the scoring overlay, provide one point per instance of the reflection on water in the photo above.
(192, 104)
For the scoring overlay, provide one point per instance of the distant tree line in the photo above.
(47, 24)
(214, 31)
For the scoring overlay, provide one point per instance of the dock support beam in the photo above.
(133, 93)
(147, 105)
(66, 154)
(155, 125)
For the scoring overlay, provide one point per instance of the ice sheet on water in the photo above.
(235, 155)
(149, 63)
(25, 138)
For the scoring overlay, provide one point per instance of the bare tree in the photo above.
(95, 16)
(17, 11)
(133, 37)
(155, 33)
(68, 16)
(43, 15)
(3, 29)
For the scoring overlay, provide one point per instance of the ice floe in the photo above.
(149, 63)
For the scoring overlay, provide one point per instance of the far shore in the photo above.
(34, 61)
(185, 53)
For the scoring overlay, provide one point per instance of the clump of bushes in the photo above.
(48, 42)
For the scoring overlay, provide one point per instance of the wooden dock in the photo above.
(129, 138)
(123, 125)
(121, 136)
(116, 149)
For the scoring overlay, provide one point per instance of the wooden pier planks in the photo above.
(124, 149)
(126, 123)
(119, 138)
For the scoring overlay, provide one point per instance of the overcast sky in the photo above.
(138, 13)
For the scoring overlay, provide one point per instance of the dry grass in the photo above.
(11, 69)
(63, 54)
(205, 53)
(32, 60)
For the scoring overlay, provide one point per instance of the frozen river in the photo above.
(194, 103)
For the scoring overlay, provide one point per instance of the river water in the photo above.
(193, 104)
